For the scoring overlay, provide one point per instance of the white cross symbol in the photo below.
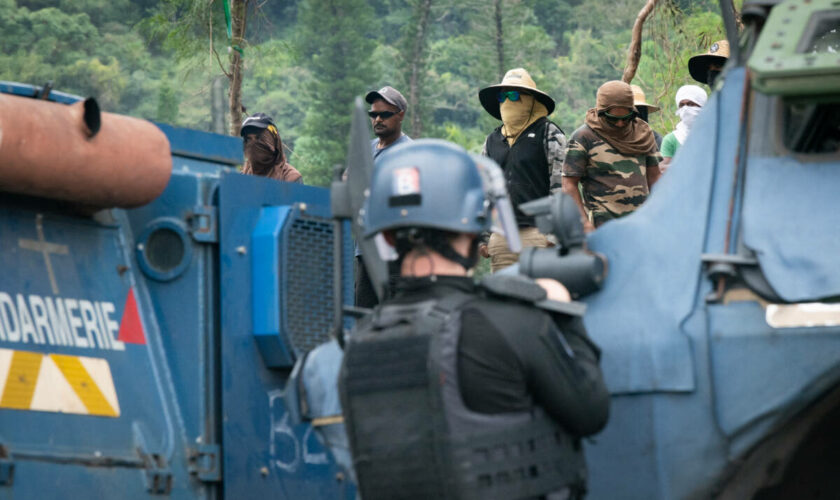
(40, 245)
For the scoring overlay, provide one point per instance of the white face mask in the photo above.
(688, 114)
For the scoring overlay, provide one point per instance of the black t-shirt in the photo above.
(510, 356)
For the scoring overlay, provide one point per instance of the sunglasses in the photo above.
(613, 118)
(380, 114)
(513, 95)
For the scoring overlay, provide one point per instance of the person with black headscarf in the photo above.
(264, 150)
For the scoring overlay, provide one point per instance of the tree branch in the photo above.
(634, 52)
(221, 64)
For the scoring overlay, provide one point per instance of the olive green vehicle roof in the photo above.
(791, 57)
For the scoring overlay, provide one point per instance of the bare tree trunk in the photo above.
(634, 52)
(217, 105)
(500, 49)
(418, 67)
(237, 14)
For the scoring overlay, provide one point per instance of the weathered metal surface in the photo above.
(77, 154)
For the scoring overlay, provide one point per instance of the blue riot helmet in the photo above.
(430, 184)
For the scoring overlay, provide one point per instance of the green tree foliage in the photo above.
(86, 48)
(671, 37)
(305, 60)
(336, 40)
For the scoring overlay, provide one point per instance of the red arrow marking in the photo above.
(131, 328)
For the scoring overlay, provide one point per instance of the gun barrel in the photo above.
(580, 272)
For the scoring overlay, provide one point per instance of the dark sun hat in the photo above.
(698, 66)
(515, 79)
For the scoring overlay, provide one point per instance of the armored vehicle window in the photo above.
(822, 35)
(796, 58)
(812, 128)
(815, 127)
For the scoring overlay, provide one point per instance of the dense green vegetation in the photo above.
(304, 60)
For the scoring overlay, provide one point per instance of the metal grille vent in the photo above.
(309, 282)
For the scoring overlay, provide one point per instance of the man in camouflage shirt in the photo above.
(612, 159)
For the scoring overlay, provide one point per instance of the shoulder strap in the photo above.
(443, 308)
(525, 289)
(513, 286)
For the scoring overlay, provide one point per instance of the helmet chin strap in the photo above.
(441, 245)
(412, 238)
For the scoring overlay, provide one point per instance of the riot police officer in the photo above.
(458, 390)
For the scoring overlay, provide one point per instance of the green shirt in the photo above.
(670, 144)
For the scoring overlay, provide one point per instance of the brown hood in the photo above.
(635, 138)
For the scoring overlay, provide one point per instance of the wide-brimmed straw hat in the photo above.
(515, 79)
(698, 65)
(640, 100)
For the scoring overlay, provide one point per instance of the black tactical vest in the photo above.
(411, 435)
(525, 166)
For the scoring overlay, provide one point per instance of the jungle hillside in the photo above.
(303, 61)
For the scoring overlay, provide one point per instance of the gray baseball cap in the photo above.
(390, 95)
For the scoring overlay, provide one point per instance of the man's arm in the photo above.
(556, 145)
(652, 171)
(652, 175)
(668, 149)
(570, 187)
(574, 168)
(513, 344)
(567, 378)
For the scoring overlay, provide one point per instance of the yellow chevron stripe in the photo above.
(20, 383)
(83, 385)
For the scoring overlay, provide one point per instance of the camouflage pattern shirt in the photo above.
(613, 184)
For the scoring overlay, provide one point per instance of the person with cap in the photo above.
(612, 161)
(449, 368)
(387, 111)
(706, 67)
(690, 100)
(644, 109)
(529, 148)
(263, 150)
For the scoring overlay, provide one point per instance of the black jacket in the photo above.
(525, 166)
(506, 364)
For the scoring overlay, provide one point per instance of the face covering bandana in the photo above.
(519, 115)
(687, 114)
(261, 153)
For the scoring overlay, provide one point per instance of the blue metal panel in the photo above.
(759, 370)
(185, 308)
(217, 148)
(25, 90)
(649, 320)
(94, 264)
(799, 260)
(266, 454)
(266, 286)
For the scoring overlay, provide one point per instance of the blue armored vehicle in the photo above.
(153, 302)
(156, 306)
(719, 318)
